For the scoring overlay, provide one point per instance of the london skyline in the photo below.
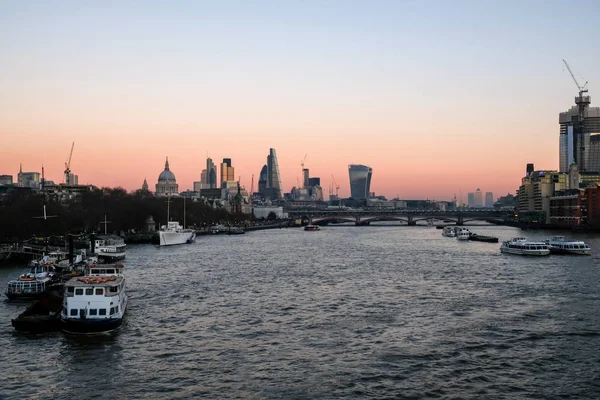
(436, 98)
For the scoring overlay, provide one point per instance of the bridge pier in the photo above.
(412, 223)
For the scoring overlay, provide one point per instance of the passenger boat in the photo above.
(560, 245)
(448, 232)
(463, 234)
(521, 246)
(110, 248)
(34, 283)
(312, 228)
(96, 302)
(42, 316)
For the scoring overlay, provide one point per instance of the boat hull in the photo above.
(481, 238)
(87, 326)
(110, 258)
(24, 296)
(523, 252)
(37, 324)
(173, 238)
(573, 252)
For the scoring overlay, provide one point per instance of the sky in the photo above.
(439, 98)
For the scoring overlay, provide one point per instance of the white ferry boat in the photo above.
(560, 245)
(521, 246)
(174, 233)
(463, 234)
(448, 232)
(95, 303)
(110, 248)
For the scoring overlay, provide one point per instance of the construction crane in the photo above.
(337, 187)
(304, 159)
(68, 167)
(582, 89)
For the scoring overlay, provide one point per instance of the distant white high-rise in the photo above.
(489, 200)
(475, 199)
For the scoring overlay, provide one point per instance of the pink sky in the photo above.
(437, 99)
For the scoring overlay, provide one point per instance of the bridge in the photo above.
(410, 217)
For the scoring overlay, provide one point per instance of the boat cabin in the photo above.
(92, 296)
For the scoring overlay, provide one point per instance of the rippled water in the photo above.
(347, 312)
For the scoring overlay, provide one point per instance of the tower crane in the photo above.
(337, 187)
(582, 89)
(68, 167)
(304, 159)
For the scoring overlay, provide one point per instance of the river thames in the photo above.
(343, 313)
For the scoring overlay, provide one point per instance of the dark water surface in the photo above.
(346, 313)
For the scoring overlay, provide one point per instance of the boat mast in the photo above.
(168, 208)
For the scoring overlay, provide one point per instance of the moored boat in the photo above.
(110, 248)
(522, 246)
(42, 316)
(312, 228)
(34, 283)
(95, 303)
(483, 238)
(560, 245)
(448, 232)
(236, 230)
(463, 234)
(174, 233)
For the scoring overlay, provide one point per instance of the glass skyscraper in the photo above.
(360, 181)
(576, 127)
(273, 176)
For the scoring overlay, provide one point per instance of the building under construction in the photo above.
(580, 132)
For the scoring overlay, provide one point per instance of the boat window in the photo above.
(70, 290)
(114, 289)
(117, 309)
(99, 291)
(79, 292)
(102, 311)
(73, 312)
(112, 310)
(89, 291)
(110, 271)
(93, 311)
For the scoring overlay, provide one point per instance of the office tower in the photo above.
(211, 174)
(576, 127)
(475, 199)
(594, 164)
(227, 171)
(489, 199)
(360, 181)
(529, 169)
(314, 182)
(305, 177)
(471, 199)
(262, 180)
(273, 176)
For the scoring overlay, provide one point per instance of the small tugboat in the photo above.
(42, 316)
(95, 303)
(312, 228)
(560, 245)
(34, 283)
(521, 246)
